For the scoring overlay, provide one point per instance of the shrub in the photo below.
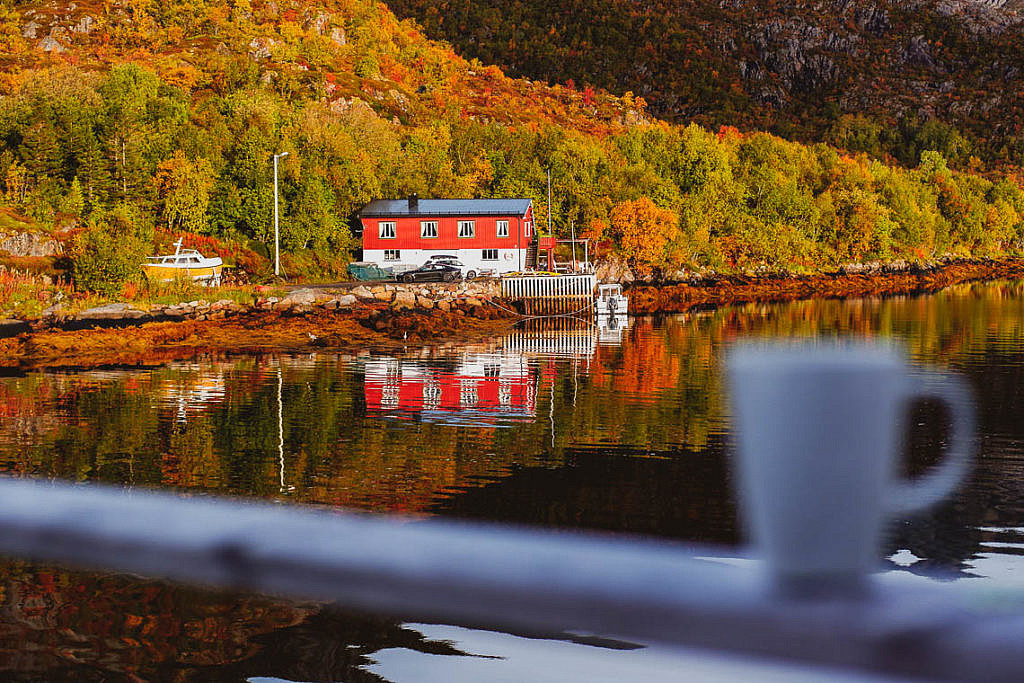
(103, 262)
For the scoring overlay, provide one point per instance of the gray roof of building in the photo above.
(388, 208)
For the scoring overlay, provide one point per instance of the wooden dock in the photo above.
(550, 294)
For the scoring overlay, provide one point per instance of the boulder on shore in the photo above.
(110, 312)
(404, 300)
(362, 292)
(301, 297)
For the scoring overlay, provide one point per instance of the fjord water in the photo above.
(624, 430)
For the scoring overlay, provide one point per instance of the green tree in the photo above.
(312, 222)
(184, 188)
(109, 253)
(74, 202)
(141, 118)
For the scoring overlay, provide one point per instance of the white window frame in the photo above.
(392, 254)
(501, 229)
(483, 253)
(424, 225)
(467, 226)
(385, 227)
(527, 228)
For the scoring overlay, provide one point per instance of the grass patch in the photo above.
(178, 291)
(11, 221)
(27, 295)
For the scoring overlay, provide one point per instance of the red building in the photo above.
(487, 234)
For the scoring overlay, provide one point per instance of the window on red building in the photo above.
(428, 228)
(527, 228)
(490, 255)
(467, 228)
(387, 230)
(392, 254)
(502, 229)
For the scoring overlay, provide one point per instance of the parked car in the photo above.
(440, 272)
(468, 272)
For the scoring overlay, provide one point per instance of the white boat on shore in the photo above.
(184, 263)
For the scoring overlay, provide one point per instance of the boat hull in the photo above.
(166, 273)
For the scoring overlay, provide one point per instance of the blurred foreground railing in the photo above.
(506, 578)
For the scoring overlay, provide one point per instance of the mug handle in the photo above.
(911, 495)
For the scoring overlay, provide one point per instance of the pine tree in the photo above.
(41, 151)
(74, 202)
(94, 172)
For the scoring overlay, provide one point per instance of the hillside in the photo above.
(330, 51)
(884, 76)
(125, 124)
(163, 116)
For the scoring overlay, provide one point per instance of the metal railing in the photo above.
(501, 577)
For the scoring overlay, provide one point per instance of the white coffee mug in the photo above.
(817, 428)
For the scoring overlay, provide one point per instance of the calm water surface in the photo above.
(620, 430)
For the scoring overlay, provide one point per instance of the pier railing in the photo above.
(489, 576)
(550, 294)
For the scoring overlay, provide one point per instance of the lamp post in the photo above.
(277, 249)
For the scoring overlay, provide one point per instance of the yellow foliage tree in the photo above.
(184, 188)
(644, 232)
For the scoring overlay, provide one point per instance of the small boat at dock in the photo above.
(184, 263)
(610, 300)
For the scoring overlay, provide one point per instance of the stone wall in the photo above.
(429, 295)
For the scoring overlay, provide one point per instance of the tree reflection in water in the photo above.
(68, 625)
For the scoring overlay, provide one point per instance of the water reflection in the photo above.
(483, 389)
(582, 426)
(66, 625)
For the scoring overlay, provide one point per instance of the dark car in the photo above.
(440, 272)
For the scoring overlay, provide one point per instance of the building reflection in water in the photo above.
(483, 389)
(486, 388)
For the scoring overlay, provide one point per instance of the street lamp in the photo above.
(277, 249)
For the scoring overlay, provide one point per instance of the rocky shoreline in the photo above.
(377, 316)
(703, 292)
(389, 315)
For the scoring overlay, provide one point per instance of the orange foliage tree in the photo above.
(644, 232)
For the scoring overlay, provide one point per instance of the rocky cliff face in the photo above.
(29, 244)
(784, 66)
(858, 49)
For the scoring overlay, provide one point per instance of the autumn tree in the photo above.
(644, 233)
(74, 202)
(184, 189)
